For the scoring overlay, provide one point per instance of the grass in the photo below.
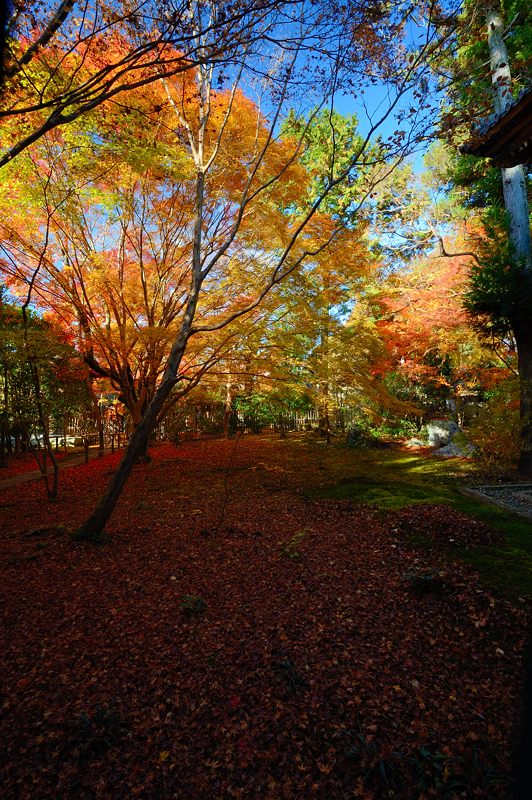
(391, 480)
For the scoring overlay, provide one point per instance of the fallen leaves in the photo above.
(172, 664)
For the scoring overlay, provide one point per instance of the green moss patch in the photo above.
(391, 481)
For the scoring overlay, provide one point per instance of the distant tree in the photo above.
(42, 381)
(433, 356)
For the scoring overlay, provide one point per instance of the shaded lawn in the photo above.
(392, 480)
(297, 647)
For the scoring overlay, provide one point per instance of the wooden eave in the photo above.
(505, 138)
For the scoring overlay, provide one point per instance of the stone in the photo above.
(441, 431)
(455, 450)
(526, 497)
(415, 443)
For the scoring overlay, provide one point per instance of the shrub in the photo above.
(496, 428)
(359, 436)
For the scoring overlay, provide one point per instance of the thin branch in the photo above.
(445, 254)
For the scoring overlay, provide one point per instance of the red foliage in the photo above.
(279, 652)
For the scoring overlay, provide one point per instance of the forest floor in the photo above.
(270, 620)
(23, 468)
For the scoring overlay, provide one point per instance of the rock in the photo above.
(416, 443)
(456, 450)
(356, 437)
(441, 431)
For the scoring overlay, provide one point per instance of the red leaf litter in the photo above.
(18, 465)
(236, 640)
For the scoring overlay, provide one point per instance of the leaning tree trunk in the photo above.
(138, 443)
(93, 527)
(516, 204)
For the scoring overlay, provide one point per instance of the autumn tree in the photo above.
(243, 232)
(62, 60)
(434, 358)
(116, 255)
(499, 296)
(42, 381)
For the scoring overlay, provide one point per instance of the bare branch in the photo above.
(445, 254)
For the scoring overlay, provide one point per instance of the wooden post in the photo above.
(516, 204)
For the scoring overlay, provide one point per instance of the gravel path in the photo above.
(516, 498)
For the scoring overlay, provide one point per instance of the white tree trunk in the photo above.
(513, 178)
(516, 204)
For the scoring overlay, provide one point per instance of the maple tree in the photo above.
(240, 208)
(62, 62)
(117, 254)
(429, 341)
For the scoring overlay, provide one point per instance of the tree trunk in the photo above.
(3, 462)
(513, 178)
(99, 417)
(48, 450)
(138, 443)
(93, 527)
(516, 204)
(228, 408)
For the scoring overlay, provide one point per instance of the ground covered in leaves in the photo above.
(236, 639)
(20, 464)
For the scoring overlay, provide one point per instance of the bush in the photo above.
(359, 436)
(496, 428)
(397, 428)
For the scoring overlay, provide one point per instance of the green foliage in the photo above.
(499, 295)
(475, 182)
(361, 436)
(470, 93)
(428, 395)
(265, 409)
(192, 605)
(397, 427)
(61, 372)
(290, 548)
(329, 144)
